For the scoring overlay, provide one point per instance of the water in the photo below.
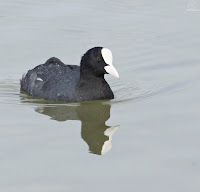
(146, 139)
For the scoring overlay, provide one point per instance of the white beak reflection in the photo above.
(108, 144)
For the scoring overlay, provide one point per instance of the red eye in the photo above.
(98, 59)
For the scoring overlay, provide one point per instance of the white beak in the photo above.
(111, 70)
(107, 56)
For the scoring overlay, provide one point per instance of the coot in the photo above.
(56, 81)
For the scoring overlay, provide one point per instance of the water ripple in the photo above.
(123, 91)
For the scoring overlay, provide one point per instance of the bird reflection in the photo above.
(92, 115)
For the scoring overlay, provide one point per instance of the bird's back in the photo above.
(51, 81)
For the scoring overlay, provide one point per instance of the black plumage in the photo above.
(54, 80)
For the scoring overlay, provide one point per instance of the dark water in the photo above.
(146, 139)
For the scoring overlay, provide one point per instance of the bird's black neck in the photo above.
(86, 72)
(94, 87)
